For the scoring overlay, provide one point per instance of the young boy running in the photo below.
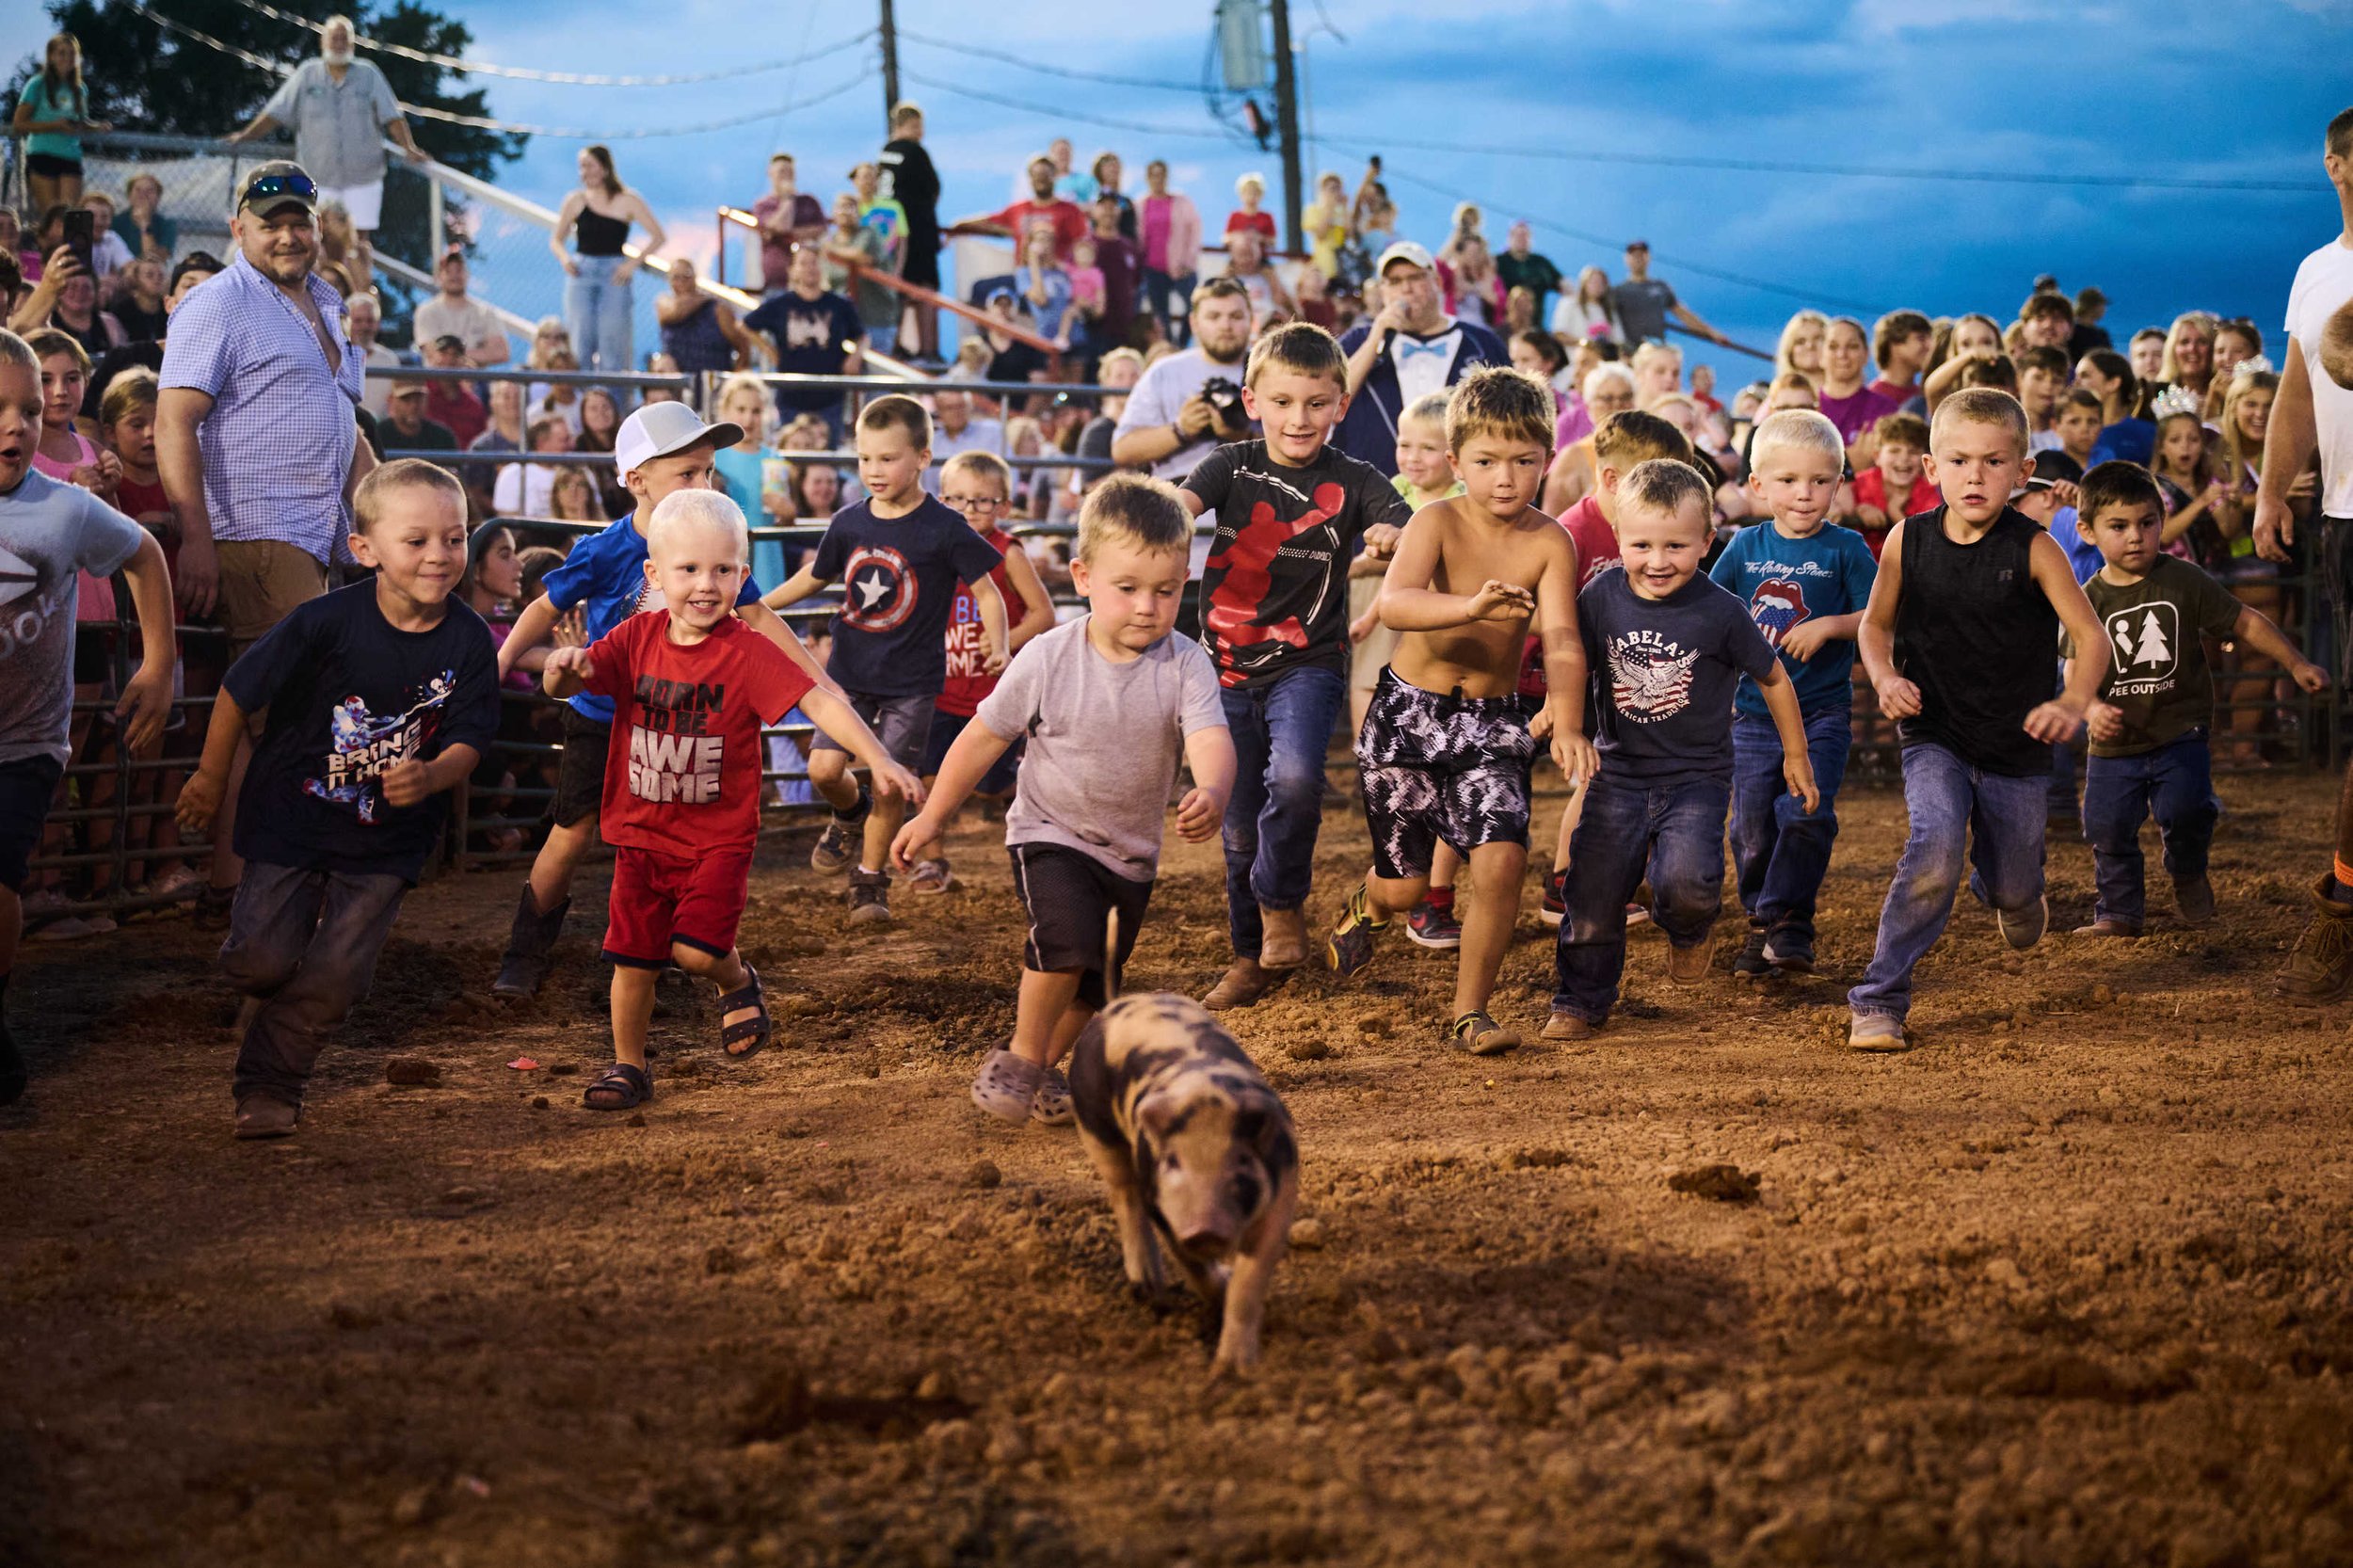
(2148, 749)
(899, 555)
(1448, 746)
(1109, 704)
(690, 685)
(1275, 618)
(55, 531)
(1666, 646)
(381, 698)
(1968, 606)
(661, 449)
(1805, 583)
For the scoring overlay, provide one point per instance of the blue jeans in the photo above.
(1281, 732)
(1674, 830)
(1780, 849)
(304, 945)
(1170, 297)
(883, 340)
(1954, 807)
(597, 313)
(2176, 783)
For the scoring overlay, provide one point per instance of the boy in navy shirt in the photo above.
(899, 555)
(381, 697)
(1664, 647)
(1805, 583)
(661, 449)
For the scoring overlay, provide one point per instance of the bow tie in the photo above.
(1407, 348)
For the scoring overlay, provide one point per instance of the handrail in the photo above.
(915, 292)
(681, 382)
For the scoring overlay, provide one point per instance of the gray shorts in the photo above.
(902, 724)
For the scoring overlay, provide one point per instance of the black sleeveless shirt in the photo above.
(599, 235)
(1975, 632)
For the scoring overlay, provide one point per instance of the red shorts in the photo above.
(661, 899)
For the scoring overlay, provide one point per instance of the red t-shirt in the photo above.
(684, 775)
(1070, 224)
(968, 641)
(1256, 223)
(1596, 552)
(1870, 490)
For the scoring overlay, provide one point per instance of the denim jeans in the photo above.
(1170, 297)
(1674, 830)
(1780, 849)
(883, 340)
(1954, 807)
(303, 944)
(2176, 783)
(1281, 732)
(597, 313)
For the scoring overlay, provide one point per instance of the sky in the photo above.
(1560, 94)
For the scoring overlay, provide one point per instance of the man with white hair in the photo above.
(341, 109)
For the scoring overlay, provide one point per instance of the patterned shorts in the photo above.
(1442, 768)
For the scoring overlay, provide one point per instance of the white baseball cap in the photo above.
(658, 429)
(1403, 250)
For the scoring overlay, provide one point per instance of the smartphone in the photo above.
(81, 238)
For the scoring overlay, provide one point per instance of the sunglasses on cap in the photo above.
(270, 186)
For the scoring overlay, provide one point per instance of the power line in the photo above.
(478, 122)
(1060, 111)
(1108, 79)
(569, 78)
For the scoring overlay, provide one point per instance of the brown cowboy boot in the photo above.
(2320, 967)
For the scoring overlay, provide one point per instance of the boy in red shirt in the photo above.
(1899, 485)
(693, 685)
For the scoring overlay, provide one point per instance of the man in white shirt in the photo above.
(363, 319)
(1179, 414)
(452, 315)
(2315, 413)
(955, 431)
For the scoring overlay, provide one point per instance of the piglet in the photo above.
(1195, 1145)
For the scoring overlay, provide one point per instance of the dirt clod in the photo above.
(1717, 1183)
(1307, 1234)
(413, 1072)
(983, 1175)
(1307, 1048)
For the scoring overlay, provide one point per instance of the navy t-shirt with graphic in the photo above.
(348, 695)
(1663, 673)
(812, 336)
(1787, 582)
(898, 578)
(604, 577)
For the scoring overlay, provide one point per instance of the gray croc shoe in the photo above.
(1006, 1085)
(1050, 1106)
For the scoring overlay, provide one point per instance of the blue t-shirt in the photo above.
(607, 573)
(2081, 554)
(2130, 441)
(348, 695)
(898, 578)
(1785, 581)
(1663, 673)
(50, 533)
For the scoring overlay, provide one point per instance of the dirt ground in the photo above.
(2068, 1282)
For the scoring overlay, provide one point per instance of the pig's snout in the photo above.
(1206, 1242)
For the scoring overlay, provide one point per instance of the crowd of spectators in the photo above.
(202, 434)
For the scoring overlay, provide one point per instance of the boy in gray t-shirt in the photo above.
(51, 533)
(1108, 704)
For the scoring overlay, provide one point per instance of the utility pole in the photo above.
(1285, 121)
(889, 30)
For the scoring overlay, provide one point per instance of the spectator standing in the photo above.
(364, 318)
(1189, 403)
(1040, 206)
(786, 217)
(878, 211)
(1409, 350)
(1901, 343)
(854, 253)
(449, 401)
(906, 176)
(1326, 225)
(816, 331)
(1107, 169)
(50, 113)
(142, 226)
(597, 302)
(1523, 266)
(341, 109)
(1116, 258)
(1588, 315)
(256, 434)
(1250, 190)
(1847, 401)
(1169, 252)
(2090, 304)
(452, 312)
(698, 332)
(1642, 303)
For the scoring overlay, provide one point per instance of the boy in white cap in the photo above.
(661, 449)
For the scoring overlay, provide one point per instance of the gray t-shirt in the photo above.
(1104, 741)
(49, 532)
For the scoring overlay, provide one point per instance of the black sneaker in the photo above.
(1556, 906)
(1789, 948)
(1751, 963)
(1350, 948)
(1435, 926)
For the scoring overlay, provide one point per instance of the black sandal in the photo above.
(619, 1087)
(757, 1030)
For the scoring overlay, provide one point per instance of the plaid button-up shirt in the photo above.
(278, 444)
(337, 126)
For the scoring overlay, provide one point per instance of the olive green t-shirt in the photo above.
(2157, 672)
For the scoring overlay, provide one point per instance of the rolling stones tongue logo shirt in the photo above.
(1663, 672)
(1786, 583)
(349, 697)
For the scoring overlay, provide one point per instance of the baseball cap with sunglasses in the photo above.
(275, 185)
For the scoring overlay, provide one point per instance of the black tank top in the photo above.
(601, 235)
(1975, 635)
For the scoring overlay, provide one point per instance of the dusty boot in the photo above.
(1243, 982)
(1282, 938)
(2320, 967)
(527, 962)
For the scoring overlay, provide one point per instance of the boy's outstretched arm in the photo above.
(1209, 753)
(794, 589)
(199, 797)
(991, 605)
(969, 759)
(836, 718)
(772, 625)
(2257, 630)
(1797, 763)
(2088, 671)
(567, 671)
(531, 628)
(147, 696)
(1875, 639)
(1408, 603)
(1038, 605)
(1562, 643)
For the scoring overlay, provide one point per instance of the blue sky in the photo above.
(2153, 88)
